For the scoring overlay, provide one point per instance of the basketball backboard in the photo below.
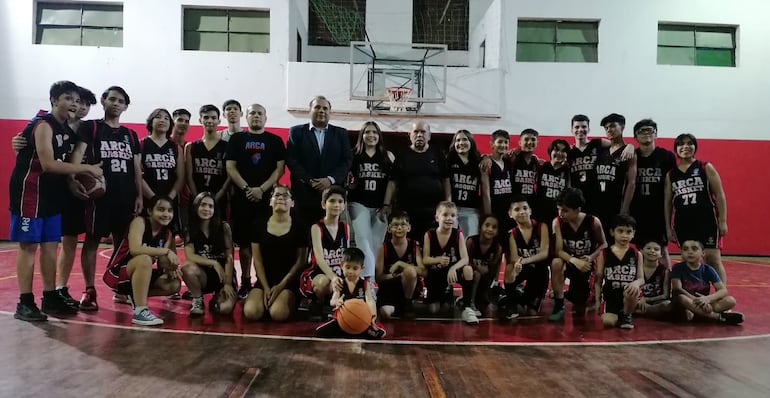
(376, 66)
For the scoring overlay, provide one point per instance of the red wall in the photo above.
(747, 196)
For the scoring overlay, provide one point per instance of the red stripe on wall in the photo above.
(736, 161)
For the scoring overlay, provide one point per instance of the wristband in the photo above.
(246, 188)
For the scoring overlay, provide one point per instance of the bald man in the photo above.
(419, 181)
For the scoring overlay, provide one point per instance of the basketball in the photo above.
(354, 316)
(95, 187)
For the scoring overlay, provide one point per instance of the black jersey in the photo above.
(653, 285)
(578, 242)
(583, 167)
(451, 249)
(358, 292)
(550, 183)
(159, 165)
(409, 256)
(208, 166)
(333, 246)
(34, 193)
(464, 182)
(369, 179)
(477, 256)
(531, 247)
(611, 177)
(524, 176)
(500, 188)
(651, 173)
(618, 272)
(211, 247)
(693, 202)
(115, 148)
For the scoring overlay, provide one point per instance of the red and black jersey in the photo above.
(358, 292)
(653, 285)
(159, 165)
(618, 272)
(578, 242)
(464, 182)
(392, 257)
(500, 188)
(211, 246)
(693, 202)
(32, 192)
(528, 248)
(479, 257)
(611, 178)
(451, 249)
(583, 167)
(333, 246)
(208, 166)
(115, 148)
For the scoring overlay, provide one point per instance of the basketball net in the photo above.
(398, 97)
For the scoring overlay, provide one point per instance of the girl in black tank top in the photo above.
(209, 253)
(161, 158)
(465, 179)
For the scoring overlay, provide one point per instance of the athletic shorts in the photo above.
(213, 284)
(105, 216)
(117, 279)
(580, 286)
(73, 216)
(306, 281)
(35, 230)
(536, 278)
(439, 290)
(613, 301)
(391, 292)
(649, 228)
(706, 233)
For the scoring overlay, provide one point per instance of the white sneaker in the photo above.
(197, 306)
(475, 310)
(468, 316)
(145, 317)
(121, 299)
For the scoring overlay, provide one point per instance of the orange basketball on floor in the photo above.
(95, 187)
(354, 316)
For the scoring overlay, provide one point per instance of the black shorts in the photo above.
(536, 278)
(107, 215)
(613, 301)
(213, 284)
(705, 232)
(439, 290)
(579, 285)
(127, 289)
(72, 216)
(650, 227)
(245, 214)
(391, 292)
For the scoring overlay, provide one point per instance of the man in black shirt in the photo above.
(421, 180)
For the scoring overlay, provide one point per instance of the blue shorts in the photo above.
(35, 230)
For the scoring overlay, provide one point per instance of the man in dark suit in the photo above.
(318, 156)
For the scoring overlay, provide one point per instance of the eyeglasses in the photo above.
(284, 195)
(398, 225)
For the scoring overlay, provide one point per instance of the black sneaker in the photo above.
(55, 304)
(64, 293)
(625, 321)
(244, 290)
(731, 318)
(375, 333)
(29, 313)
(187, 295)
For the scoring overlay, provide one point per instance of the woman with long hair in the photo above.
(464, 177)
(208, 250)
(162, 161)
(367, 182)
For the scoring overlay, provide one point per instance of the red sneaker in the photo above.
(88, 302)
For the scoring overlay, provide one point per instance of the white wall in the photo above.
(712, 102)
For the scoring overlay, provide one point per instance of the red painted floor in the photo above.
(749, 283)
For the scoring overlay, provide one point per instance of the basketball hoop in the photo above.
(398, 97)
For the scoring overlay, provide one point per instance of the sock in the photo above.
(27, 298)
(558, 304)
(139, 309)
(60, 287)
(511, 295)
(467, 287)
(90, 287)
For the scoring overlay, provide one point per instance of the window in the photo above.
(79, 24)
(441, 22)
(336, 22)
(207, 29)
(696, 45)
(557, 41)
